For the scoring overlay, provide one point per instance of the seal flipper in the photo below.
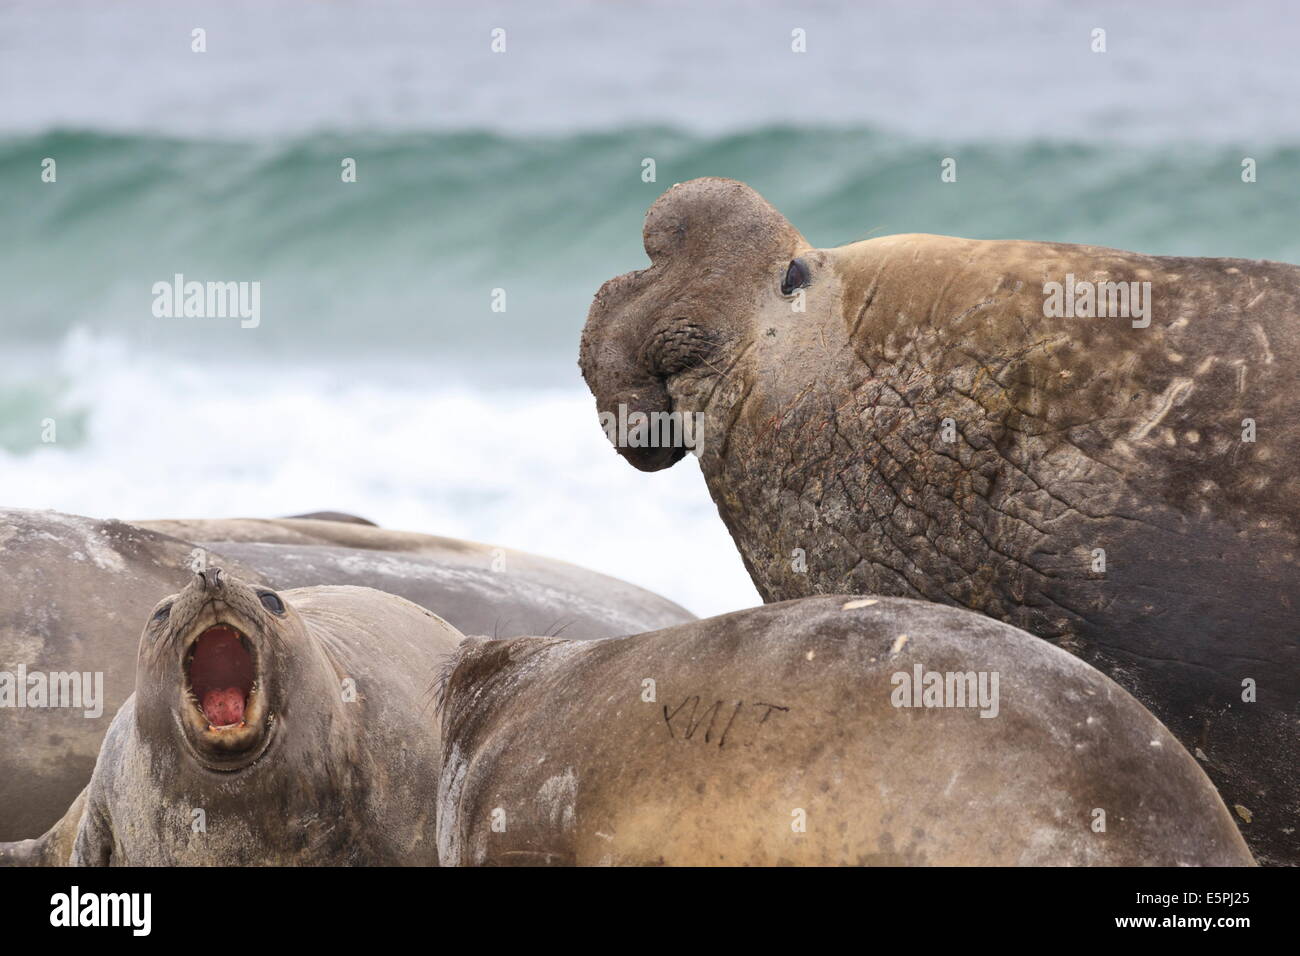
(54, 846)
(92, 844)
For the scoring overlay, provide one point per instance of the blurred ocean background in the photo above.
(380, 381)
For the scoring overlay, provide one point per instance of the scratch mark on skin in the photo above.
(979, 305)
(1263, 342)
(1176, 391)
(947, 791)
(871, 292)
(723, 375)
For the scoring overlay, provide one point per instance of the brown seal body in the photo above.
(790, 734)
(914, 416)
(73, 591)
(291, 728)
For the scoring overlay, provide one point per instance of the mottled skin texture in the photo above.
(787, 707)
(312, 778)
(479, 588)
(823, 432)
(73, 591)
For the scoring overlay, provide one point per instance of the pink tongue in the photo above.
(224, 707)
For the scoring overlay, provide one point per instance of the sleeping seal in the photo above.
(479, 588)
(813, 732)
(72, 590)
(290, 728)
(1093, 445)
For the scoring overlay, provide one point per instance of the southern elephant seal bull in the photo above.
(819, 731)
(290, 728)
(1096, 446)
(73, 591)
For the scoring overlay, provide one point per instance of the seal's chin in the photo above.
(652, 459)
(223, 709)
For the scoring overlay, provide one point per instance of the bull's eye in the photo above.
(271, 601)
(797, 276)
(162, 613)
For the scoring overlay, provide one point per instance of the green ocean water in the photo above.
(380, 380)
(408, 255)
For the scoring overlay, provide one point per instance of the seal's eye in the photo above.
(162, 613)
(796, 276)
(271, 601)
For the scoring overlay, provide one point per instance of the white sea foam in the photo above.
(526, 468)
(404, 260)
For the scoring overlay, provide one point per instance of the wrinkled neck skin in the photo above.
(825, 452)
(826, 432)
(284, 809)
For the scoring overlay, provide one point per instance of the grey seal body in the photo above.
(73, 591)
(782, 735)
(479, 588)
(289, 728)
(913, 415)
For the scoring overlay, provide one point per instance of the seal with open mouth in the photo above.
(73, 591)
(286, 728)
(225, 677)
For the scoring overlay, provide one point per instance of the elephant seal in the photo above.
(793, 734)
(73, 589)
(1089, 444)
(341, 516)
(479, 588)
(291, 728)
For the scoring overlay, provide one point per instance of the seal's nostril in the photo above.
(210, 578)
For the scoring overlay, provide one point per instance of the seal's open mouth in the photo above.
(222, 676)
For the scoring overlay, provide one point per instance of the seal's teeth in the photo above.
(239, 726)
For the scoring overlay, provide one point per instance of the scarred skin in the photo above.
(824, 449)
(708, 743)
(73, 591)
(331, 765)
